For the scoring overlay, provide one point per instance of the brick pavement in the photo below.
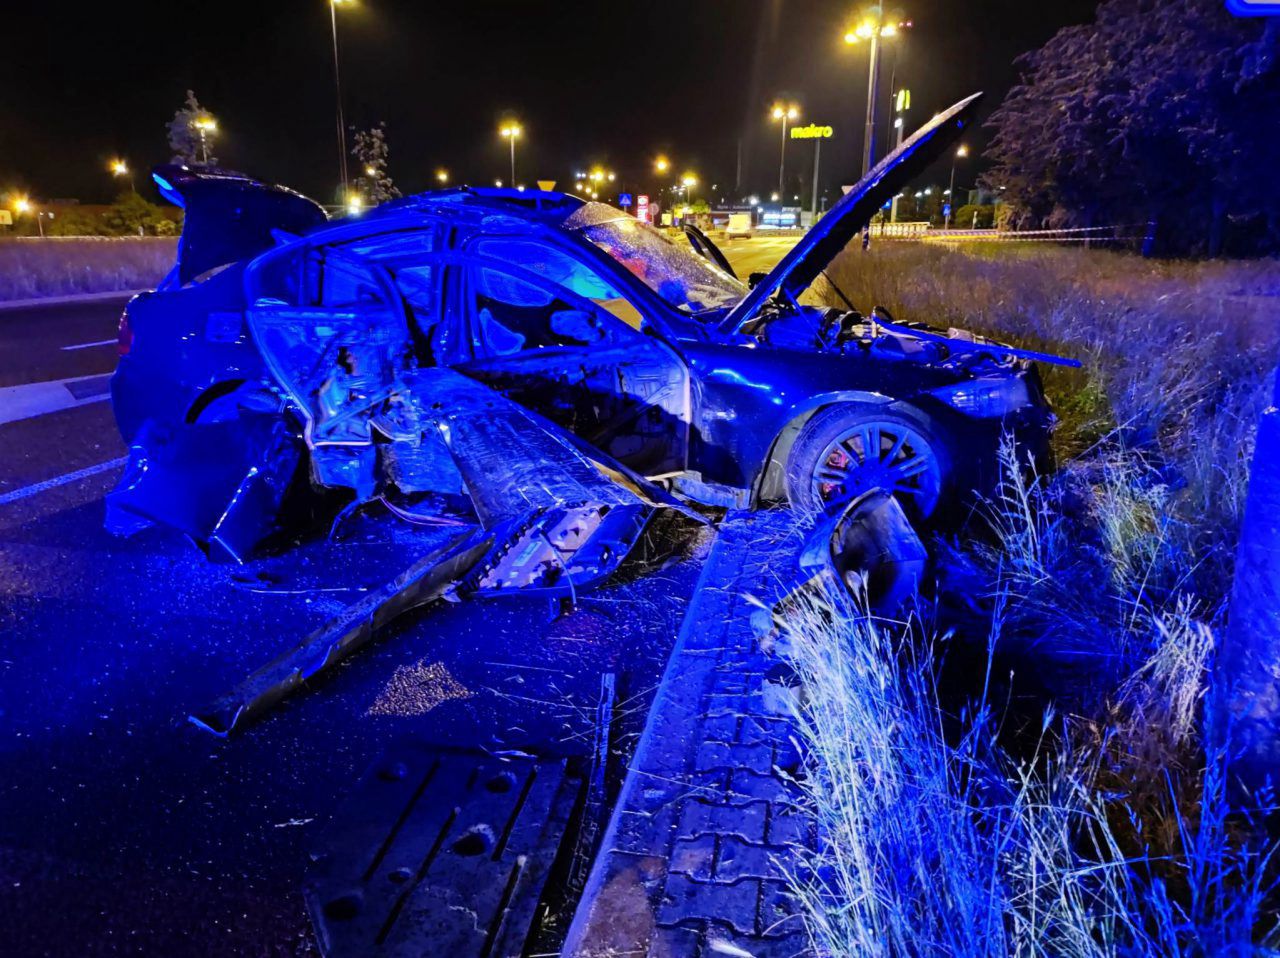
(690, 864)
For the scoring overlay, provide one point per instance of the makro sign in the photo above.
(811, 132)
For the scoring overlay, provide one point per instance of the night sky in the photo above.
(610, 83)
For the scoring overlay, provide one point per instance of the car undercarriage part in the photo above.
(553, 515)
(424, 581)
(439, 853)
(866, 547)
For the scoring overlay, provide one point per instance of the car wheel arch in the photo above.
(770, 480)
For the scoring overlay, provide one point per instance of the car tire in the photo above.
(826, 463)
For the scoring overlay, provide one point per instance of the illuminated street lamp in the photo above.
(442, 177)
(784, 112)
(120, 168)
(872, 28)
(337, 90)
(661, 164)
(961, 152)
(206, 126)
(22, 206)
(688, 181)
(512, 132)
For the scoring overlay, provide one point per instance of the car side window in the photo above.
(561, 268)
(510, 315)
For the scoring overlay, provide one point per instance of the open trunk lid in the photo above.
(229, 216)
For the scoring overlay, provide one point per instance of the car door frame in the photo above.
(649, 334)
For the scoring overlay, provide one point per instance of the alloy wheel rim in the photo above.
(901, 461)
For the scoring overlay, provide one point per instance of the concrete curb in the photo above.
(66, 300)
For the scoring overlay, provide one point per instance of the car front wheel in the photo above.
(846, 450)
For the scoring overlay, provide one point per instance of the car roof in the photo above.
(545, 207)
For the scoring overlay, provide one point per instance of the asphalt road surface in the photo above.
(124, 829)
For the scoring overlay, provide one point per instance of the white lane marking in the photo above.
(36, 399)
(85, 473)
(100, 342)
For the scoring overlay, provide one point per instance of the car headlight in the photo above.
(987, 398)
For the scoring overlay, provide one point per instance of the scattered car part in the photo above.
(552, 514)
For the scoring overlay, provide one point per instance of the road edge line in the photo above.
(16, 494)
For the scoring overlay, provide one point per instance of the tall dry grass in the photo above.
(1103, 829)
(33, 268)
(1176, 355)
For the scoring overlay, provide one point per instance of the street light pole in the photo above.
(873, 97)
(817, 152)
(782, 156)
(121, 168)
(872, 28)
(512, 132)
(961, 152)
(784, 112)
(337, 87)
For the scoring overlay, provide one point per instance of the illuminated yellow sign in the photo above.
(811, 132)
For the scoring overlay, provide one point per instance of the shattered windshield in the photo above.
(677, 274)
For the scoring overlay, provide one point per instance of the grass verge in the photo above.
(1101, 828)
(34, 268)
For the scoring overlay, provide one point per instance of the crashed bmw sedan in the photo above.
(547, 367)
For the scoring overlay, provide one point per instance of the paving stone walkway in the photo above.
(690, 864)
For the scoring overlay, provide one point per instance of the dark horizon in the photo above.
(614, 86)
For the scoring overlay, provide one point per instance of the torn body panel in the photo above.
(223, 484)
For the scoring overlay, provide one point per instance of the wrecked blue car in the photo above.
(544, 369)
(648, 350)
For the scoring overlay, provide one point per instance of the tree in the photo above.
(131, 215)
(1161, 112)
(974, 216)
(190, 144)
(76, 222)
(369, 147)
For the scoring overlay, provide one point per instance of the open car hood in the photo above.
(229, 216)
(832, 233)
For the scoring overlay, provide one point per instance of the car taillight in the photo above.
(124, 335)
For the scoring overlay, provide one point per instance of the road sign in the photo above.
(546, 185)
(811, 132)
(946, 209)
(642, 208)
(902, 102)
(624, 200)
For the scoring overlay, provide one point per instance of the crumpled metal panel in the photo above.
(512, 460)
(422, 582)
(221, 483)
(439, 853)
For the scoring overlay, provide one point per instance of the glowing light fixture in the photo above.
(512, 131)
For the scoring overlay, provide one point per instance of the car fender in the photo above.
(767, 483)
